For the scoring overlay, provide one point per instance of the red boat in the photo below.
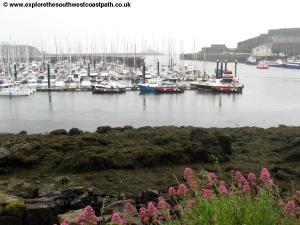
(262, 65)
(168, 88)
(228, 89)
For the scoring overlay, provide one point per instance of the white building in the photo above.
(261, 50)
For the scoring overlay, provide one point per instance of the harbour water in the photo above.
(270, 98)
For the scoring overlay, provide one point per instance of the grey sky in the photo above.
(205, 21)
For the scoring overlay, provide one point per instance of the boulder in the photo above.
(59, 132)
(42, 212)
(75, 131)
(103, 129)
(149, 196)
(71, 216)
(11, 210)
(80, 201)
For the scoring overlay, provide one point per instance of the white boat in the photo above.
(59, 83)
(86, 82)
(102, 87)
(11, 90)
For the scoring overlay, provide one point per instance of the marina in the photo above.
(275, 92)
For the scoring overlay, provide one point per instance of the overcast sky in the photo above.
(202, 22)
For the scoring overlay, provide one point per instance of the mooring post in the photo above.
(94, 64)
(144, 73)
(217, 69)
(89, 69)
(15, 71)
(158, 68)
(225, 65)
(235, 68)
(221, 74)
(48, 72)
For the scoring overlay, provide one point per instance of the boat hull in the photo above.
(169, 90)
(147, 88)
(228, 89)
(108, 90)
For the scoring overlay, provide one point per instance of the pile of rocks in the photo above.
(53, 207)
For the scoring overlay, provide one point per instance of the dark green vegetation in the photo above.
(129, 160)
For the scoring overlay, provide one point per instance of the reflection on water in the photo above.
(50, 101)
(270, 98)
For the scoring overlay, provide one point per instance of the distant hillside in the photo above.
(8, 52)
(285, 40)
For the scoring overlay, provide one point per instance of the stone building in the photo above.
(261, 51)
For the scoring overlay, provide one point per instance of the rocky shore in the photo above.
(54, 207)
(45, 178)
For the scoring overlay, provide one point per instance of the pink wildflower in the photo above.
(251, 178)
(162, 203)
(116, 218)
(206, 193)
(265, 175)
(246, 188)
(212, 177)
(239, 178)
(151, 208)
(182, 191)
(129, 208)
(87, 217)
(290, 209)
(188, 174)
(172, 192)
(223, 190)
(143, 212)
(144, 215)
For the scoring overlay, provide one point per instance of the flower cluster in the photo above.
(87, 217)
(116, 218)
(202, 193)
(181, 192)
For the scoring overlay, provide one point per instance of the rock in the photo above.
(149, 195)
(4, 152)
(11, 210)
(103, 129)
(96, 192)
(71, 216)
(59, 132)
(41, 213)
(116, 207)
(75, 131)
(81, 201)
(23, 132)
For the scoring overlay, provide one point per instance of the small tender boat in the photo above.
(262, 65)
